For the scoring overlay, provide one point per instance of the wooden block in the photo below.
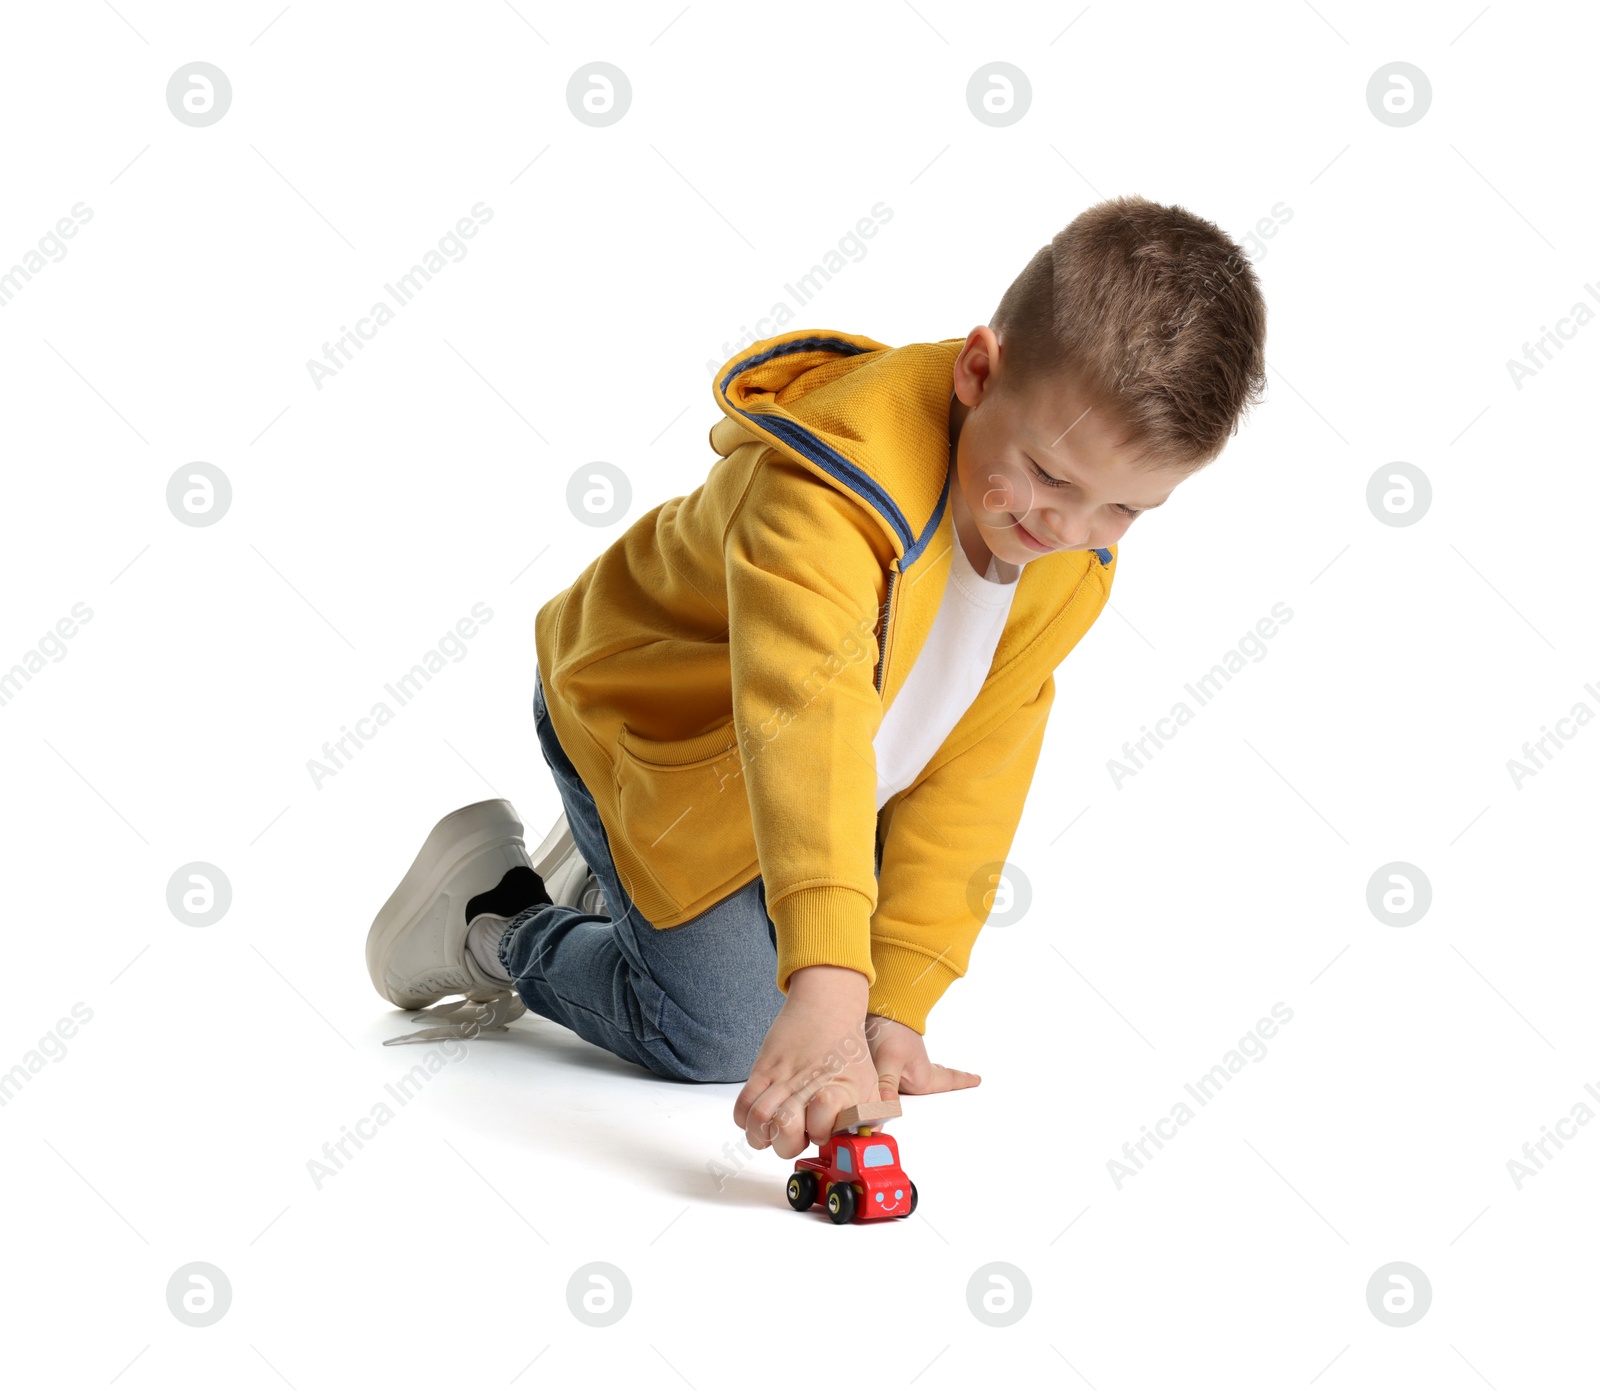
(867, 1113)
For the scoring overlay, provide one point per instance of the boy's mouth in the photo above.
(1028, 538)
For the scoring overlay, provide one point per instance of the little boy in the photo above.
(794, 715)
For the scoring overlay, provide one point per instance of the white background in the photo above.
(430, 474)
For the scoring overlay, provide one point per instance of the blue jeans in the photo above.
(691, 1003)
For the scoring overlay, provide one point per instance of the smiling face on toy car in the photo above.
(872, 1164)
(887, 1188)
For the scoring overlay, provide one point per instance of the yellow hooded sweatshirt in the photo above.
(718, 673)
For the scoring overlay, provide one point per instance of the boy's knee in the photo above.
(714, 1031)
(717, 1057)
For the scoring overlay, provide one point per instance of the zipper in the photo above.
(885, 614)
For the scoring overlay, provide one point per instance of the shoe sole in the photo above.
(460, 836)
(562, 866)
(554, 849)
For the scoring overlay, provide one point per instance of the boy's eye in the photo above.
(1050, 482)
(1045, 478)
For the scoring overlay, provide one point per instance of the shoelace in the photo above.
(466, 1018)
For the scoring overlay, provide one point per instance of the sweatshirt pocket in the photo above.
(685, 812)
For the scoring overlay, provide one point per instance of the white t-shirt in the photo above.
(949, 671)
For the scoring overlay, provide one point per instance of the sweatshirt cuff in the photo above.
(908, 984)
(826, 926)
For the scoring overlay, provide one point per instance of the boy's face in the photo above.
(1040, 464)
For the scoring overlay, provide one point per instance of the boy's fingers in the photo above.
(786, 1129)
(822, 1113)
(790, 1116)
(765, 1116)
(945, 1079)
(888, 1084)
(789, 1137)
(749, 1094)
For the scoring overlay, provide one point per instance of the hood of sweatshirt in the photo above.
(872, 420)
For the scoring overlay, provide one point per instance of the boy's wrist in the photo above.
(839, 984)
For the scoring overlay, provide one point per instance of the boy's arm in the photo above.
(942, 833)
(804, 582)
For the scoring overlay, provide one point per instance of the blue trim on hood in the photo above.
(784, 349)
(933, 525)
(794, 434)
(800, 439)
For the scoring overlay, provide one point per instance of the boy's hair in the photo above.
(1156, 315)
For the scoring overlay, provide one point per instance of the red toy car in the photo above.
(857, 1175)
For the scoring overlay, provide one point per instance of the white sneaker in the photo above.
(569, 881)
(473, 862)
(593, 897)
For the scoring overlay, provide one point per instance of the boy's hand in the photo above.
(901, 1058)
(813, 1064)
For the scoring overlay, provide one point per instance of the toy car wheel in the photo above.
(912, 1205)
(802, 1189)
(841, 1203)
